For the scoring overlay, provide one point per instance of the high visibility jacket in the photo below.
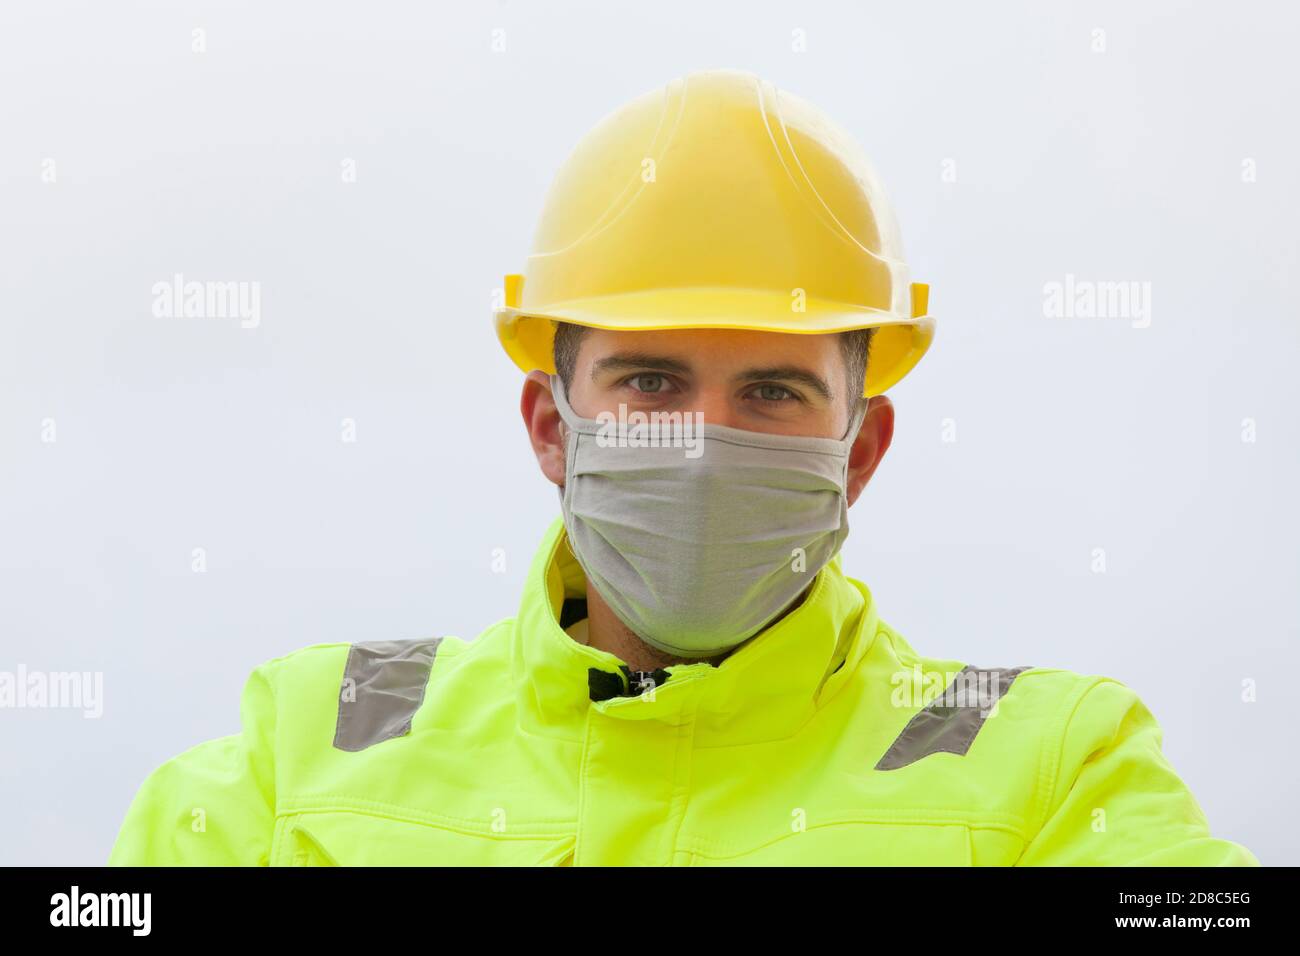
(826, 739)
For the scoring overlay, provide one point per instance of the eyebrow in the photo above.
(627, 361)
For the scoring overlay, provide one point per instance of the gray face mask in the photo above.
(701, 539)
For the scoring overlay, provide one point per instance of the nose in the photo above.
(715, 402)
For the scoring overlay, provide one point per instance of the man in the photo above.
(716, 303)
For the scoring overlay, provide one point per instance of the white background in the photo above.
(1072, 434)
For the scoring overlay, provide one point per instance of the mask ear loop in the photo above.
(850, 436)
(561, 400)
(855, 422)
(572, 420)
(566, 429)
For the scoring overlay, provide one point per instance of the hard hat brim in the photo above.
(528, 335)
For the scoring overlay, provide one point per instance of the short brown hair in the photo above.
(855, 344)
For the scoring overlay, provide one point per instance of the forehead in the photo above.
(715, 350)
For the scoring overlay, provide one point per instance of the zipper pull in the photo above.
(638, 682)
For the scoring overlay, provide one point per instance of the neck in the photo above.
(607, 633)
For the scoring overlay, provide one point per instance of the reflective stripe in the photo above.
(950, 722)
(383, 686)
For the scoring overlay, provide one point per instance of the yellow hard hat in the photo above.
(718, 202)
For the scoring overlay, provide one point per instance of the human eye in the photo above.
(648, 383)
(771, 394)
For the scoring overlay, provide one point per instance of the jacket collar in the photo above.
(765, 690)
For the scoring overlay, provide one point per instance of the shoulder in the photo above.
(1045, 685)
(1047, 689)
(1050, 715)
(327, 662)
(352, 688)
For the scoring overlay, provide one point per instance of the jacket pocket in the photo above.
(848, 844)
(356, 838)
(305, 850)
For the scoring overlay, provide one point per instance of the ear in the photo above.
(542, 419)
(869, 447)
